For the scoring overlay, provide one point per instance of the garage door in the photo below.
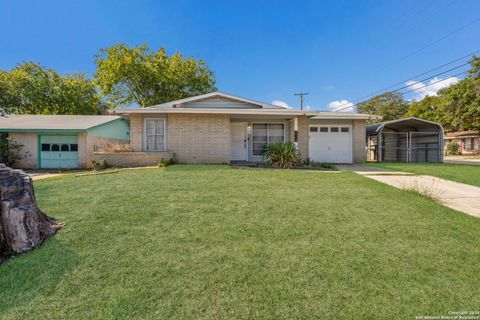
(331, 144)
(58, 152)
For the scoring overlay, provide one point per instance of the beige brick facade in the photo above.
(136, 132)
(199, 138)
(132, 159)
(29, 150)
(303, 136)
(359, 140)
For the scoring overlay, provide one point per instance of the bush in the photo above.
(453, 148)
(10, 151)
(282, 155)
(99, 166)
(166, 163)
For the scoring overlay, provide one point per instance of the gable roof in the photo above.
(52, 122)
(219, 94)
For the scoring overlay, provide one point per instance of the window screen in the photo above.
(313, 129)
(323, 129)
(155, 135)
(345, 129)
(334, 129)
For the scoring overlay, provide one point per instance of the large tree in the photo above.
(138, 76)
(30, 88)
(389, 105)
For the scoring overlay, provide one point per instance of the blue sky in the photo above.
(264, 50)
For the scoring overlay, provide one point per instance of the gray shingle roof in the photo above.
(52, 122)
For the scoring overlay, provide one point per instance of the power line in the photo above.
(431, 44)
(418, 88)
(416, 76)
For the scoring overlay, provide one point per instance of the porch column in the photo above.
(302, 135)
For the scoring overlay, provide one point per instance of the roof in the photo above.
(52, 122)
(398, 122)
(176, 103)
(260, 109)
(462, 133)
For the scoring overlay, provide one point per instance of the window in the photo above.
(74, 147)
(323, 129)
(155, 135)
(65, 147)
(313, 129)
(55, 147)
(345, 129)
(334, 129)
(468, 144)
(45, 146)
(264, 134)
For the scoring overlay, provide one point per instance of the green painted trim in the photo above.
(39, 154)
(44, 130)
(101, 124)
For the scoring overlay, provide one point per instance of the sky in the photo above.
(337, 51)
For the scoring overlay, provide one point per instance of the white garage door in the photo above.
(331, 143)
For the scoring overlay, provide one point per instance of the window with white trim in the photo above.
(265, 134)
(155, 135)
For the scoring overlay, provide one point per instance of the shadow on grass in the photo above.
(33, 273)
(195, 167)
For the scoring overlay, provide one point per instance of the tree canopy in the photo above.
(389, 105)
(30, 88)
(136, 75)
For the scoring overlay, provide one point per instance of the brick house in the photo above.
(469, 141)
(222, 128)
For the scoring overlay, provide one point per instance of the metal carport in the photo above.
(405, 140)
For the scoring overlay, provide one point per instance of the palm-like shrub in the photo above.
(282, 155)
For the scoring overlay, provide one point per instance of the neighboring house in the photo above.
(469, 141)
(62, 141)
(223, 128)
(405, 140)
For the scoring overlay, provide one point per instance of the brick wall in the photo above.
(359, 140)
(132, 159)
(303, 136)
(199, 138)
(136, 132)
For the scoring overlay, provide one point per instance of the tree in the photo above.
(427, 108)
(30, 88)
(139, 76)
(389, 105)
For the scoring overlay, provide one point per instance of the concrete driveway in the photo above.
(458, 196)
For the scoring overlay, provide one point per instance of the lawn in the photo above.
(464, 173)
(210, 242)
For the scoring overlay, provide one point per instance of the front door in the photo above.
(238, 141)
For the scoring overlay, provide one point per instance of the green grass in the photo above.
(210, 242)
(464, 173)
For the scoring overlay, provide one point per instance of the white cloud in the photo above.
(341, 105)
(282, 104)
(436, 84)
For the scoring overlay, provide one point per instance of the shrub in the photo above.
(282, 155)
(10, 151)
(101, 165)
(453, 148)
(166, 163)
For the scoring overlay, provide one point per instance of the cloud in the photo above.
(328, 87)
(282, 104)
(341, 105)
(434, 85)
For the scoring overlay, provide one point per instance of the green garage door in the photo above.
(58, 152)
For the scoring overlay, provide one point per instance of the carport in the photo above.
(405, 140)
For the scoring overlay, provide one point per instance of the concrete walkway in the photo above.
(458, 196)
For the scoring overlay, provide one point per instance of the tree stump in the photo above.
(23, 226)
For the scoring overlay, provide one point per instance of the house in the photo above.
(222, 128)
(62, 141)
(469, 141)
(405, 140)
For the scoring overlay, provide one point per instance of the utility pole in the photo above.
(301, 94)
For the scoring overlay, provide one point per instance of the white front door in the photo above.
(331, 143)
(238, 141)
